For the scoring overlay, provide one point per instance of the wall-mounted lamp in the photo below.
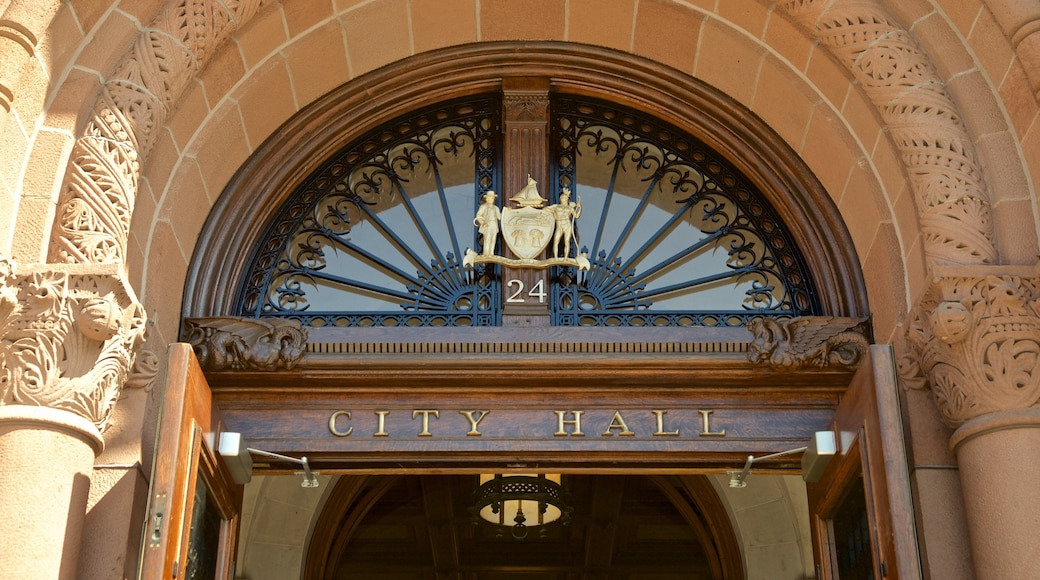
(822, 447)
(239, 460)
(815, 458)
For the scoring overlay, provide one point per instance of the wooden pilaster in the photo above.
(525, 118)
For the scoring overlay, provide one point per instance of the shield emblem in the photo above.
(527, 230)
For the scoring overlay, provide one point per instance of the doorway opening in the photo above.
(624, 526)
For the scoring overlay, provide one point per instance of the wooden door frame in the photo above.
(662, 365)
(868, 428)
(421, 368)
(189, 426)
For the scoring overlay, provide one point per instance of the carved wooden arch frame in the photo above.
(293, 152)
(692, 495)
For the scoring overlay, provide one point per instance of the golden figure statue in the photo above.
(565, 212)
(527, 230)
(486, 221)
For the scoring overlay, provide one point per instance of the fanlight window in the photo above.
(375, 237)
(674, 235)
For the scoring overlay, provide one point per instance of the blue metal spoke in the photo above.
(655, 239)
(627, 231)
(415, 258)
(606, 203)
(654, 181)
(408, 297)
(671, 260)
(699, 281)
(444, 206)
(431, 242)
(427, 237)
(378, 263)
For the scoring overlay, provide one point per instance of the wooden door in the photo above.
(861, 511)
(193, 506)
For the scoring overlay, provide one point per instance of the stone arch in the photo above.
(103, 179)
(940, 158)
(94, 213)
(224, 130)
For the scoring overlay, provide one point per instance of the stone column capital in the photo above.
(68, 334)
(975, 341)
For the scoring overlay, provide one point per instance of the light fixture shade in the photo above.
(822, 448)
(236, 457)
(520, 501)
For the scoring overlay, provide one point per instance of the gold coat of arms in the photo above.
(527, 229)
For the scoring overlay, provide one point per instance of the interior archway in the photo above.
(287, 530)
(630, 526)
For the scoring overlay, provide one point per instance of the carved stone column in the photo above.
(976, 339)
(67, 338)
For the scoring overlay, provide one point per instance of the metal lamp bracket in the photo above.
(239, 460)
(816, 456)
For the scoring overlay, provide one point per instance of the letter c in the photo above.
(332, 424)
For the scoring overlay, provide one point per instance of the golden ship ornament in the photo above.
(528, 229)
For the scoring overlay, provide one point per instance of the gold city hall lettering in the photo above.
(618, 423)
(660, 425)
(576, 423)
(706, 425)
(474, 421)
(568, 423)
(426, 420)
(381, 431)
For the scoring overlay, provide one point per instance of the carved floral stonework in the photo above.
(69, 331)
(975, 341)
(93, 220)
(227, 343)
(144, 372)
(67, 337)
(93, 217)
(817, 341)
(939, 156)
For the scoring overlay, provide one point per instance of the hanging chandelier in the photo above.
(520, 501)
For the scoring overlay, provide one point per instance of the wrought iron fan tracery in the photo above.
(680, 238)
(375, 236)
(674, 234)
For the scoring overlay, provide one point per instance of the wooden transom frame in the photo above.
(640, 400)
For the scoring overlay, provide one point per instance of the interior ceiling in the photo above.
(622, 527)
